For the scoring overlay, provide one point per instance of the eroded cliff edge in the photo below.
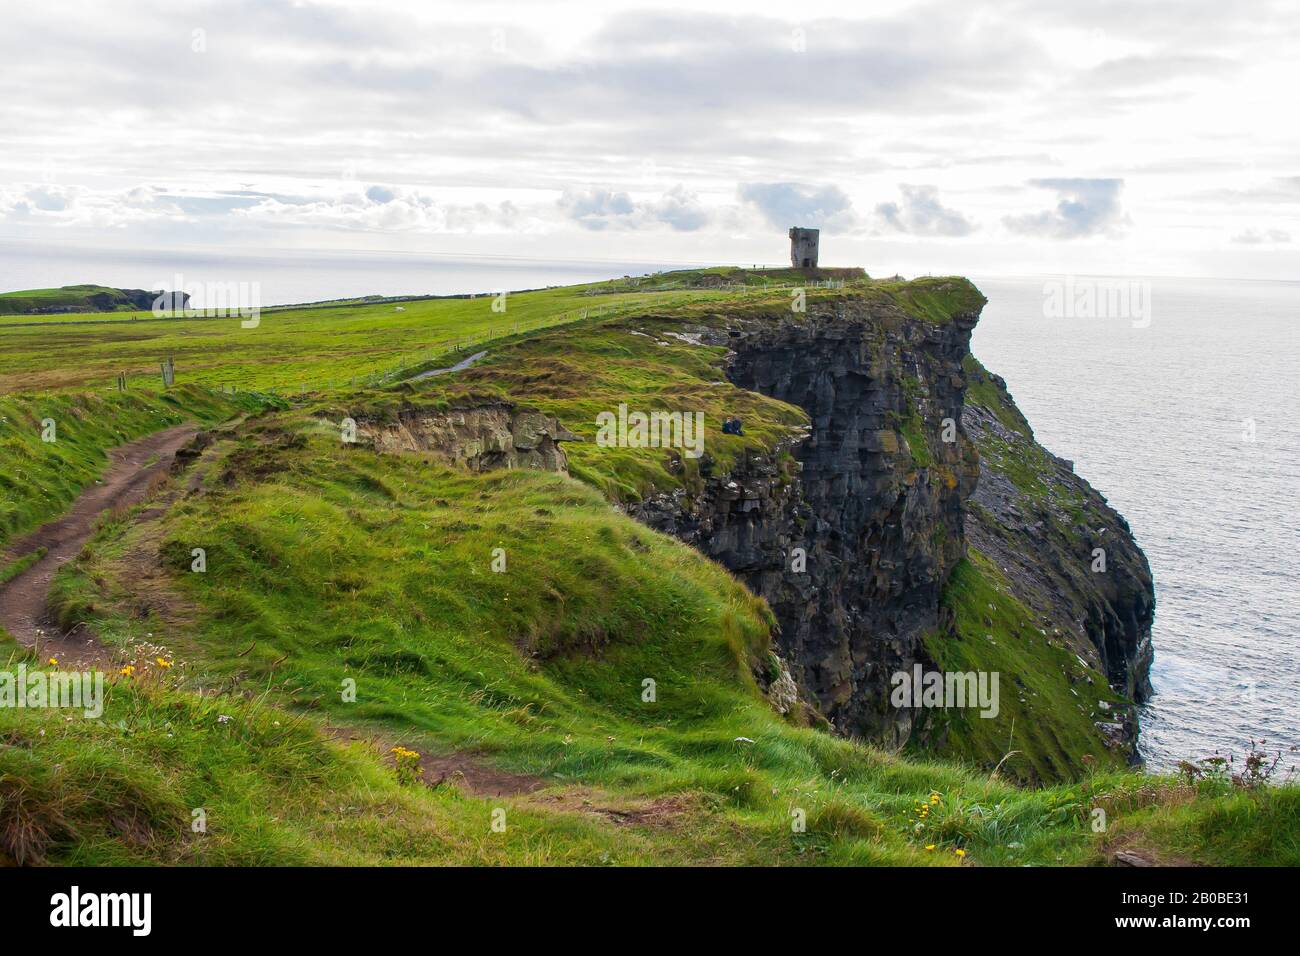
(918, 522)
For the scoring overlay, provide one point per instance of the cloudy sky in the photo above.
(1131, 137)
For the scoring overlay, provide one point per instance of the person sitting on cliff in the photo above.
(732, 426)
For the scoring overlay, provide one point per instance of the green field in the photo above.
(328, 563)
(290, 349)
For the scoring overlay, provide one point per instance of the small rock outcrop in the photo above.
(479, 437)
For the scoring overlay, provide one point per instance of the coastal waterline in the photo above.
(1184, 419)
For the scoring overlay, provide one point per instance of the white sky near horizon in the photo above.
(1149, 138)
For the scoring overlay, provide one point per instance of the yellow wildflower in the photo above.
(163, 662)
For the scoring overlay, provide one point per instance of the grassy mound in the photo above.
(449, 657)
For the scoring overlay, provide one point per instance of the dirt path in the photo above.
(458, 367)
(23, 599)
(467, 770)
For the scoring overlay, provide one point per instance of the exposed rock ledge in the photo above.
(479, 438)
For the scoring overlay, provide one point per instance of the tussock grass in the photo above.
(1048, 699)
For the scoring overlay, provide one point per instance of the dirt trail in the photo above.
(458, 367)
(469, 771)
(23, 599)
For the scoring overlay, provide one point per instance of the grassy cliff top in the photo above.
(342, 345)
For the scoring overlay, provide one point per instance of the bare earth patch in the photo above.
(132, 472)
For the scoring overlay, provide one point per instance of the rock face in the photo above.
(479, 438)
(872, 495)
(851, 529)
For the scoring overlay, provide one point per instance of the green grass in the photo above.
(1026, 463)
(12, 569)
(301, 568)
(580, 371)
(39, 479)
(935, 298)
(981, 390)
(310, 348)
(338, 346)
(731, 277)
(913, 429)
(1048, 699)
(272, 791)
(379, 568)
(330, 564)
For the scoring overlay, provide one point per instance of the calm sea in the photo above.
(286, 277)
(1181, 409)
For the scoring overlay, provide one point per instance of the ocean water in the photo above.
(290, 277)
(1187, 423)
(1180, 407)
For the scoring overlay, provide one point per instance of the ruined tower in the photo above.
(803, 247)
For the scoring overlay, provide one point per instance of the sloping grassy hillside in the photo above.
(1048, 698)
(610, 680)
(39, 478)
(577, 372)
(171, 777)
(345, 345)
(310, 348)
(345, 565)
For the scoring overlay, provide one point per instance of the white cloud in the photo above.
(800, 204)
(1085, 207)
(706, 128)
(598, 209)
(1258, 237)
(922, 214)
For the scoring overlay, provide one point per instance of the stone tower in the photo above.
(803, 247)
